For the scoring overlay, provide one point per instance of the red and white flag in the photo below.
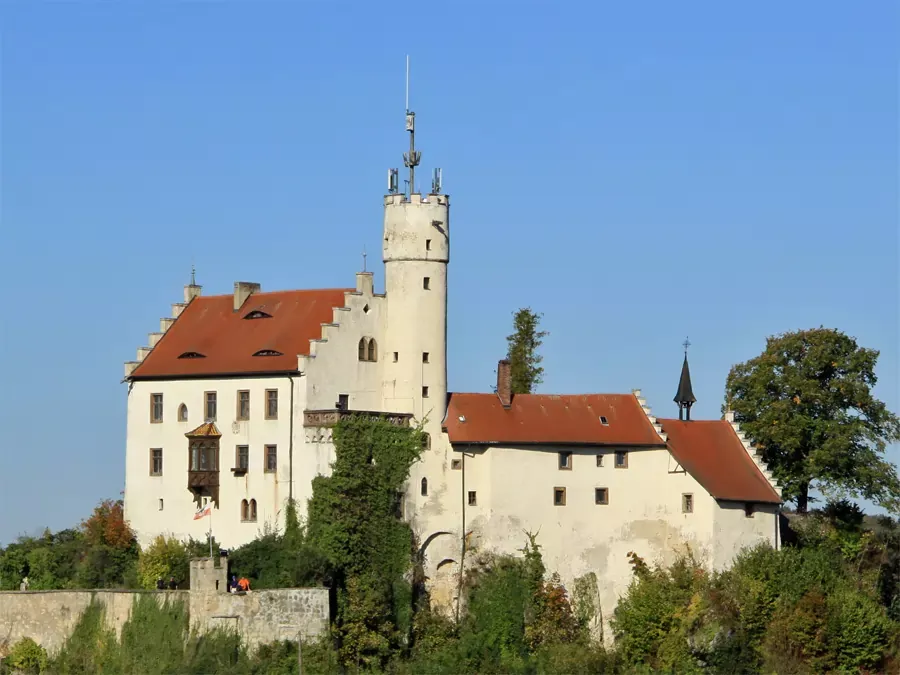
(205, 511)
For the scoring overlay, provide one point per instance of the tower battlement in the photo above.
(416, 198)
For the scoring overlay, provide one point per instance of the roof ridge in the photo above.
(287, 290)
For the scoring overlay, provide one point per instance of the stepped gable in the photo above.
(549, 419)
(712, 452)
(210, 337)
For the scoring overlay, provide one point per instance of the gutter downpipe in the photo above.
(291, 445)
(462, 554)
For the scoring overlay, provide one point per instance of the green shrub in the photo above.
(27, 656)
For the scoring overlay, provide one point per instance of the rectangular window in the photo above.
(156, 408)
(621, 460)
(343, 401)
(396, 357)
(428, 244)
(565, 460)
(472, 498)
(424, 392)
(160, 504)
(426, 283)
(243, 457)
(243, 405)
(456, 464)
(559, 496)
(604, 421)
(271, 404)
(156, 462)
(748, 510)
(211, 406)
(271, 458)
(424, 357)
(601, 496)
(599, 460)
(687, 503)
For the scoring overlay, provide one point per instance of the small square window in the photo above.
(687, 503)
(424, 392)
(396, 356)
(456, 464)
(565, 460)
(426, 283)
(599, 460)
(604, 421)
(424, 357)
(428, 244)
(473, 499)
(559, 496)
(621, 460)
(601, 496)
(748, 510)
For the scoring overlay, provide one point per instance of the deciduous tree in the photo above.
(807, 403)
(524, 360)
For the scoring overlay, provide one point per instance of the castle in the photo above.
(596, 475)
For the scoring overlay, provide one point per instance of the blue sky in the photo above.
(638, 172)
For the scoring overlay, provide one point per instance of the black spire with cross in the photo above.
(684, 397)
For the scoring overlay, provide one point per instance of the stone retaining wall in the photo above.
(49, 617)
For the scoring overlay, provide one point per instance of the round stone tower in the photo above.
(416, 251)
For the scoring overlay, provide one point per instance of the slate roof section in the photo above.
(549, 419)
(228, 341)
(711, 452)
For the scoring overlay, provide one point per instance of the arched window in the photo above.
(245, 510)
(424, 487)
(362, 349)
(182, 413)
(426, 441)
(253, 509)
(373, 356)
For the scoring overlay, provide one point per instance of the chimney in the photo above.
(242, 291)
(504, 383)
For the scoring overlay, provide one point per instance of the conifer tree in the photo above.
(524, 360)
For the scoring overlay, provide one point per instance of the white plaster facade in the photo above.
(514, 484)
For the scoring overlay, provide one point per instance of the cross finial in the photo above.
(193, 276)
(686, 344)
(364, 259)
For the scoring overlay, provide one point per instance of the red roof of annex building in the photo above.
(712, 453)
(211, 338)
(549, 419)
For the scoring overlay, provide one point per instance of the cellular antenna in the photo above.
(411, 159)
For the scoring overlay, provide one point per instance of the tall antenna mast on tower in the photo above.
(411, 159)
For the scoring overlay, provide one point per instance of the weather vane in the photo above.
(686, 344)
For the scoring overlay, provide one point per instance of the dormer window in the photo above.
(257, 314)
(268, 352)
(192, 355)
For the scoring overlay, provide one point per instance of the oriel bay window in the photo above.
(204, 456)
(203, 463)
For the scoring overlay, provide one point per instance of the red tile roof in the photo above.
(543, 418)
(227, 341)
(711, 452)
